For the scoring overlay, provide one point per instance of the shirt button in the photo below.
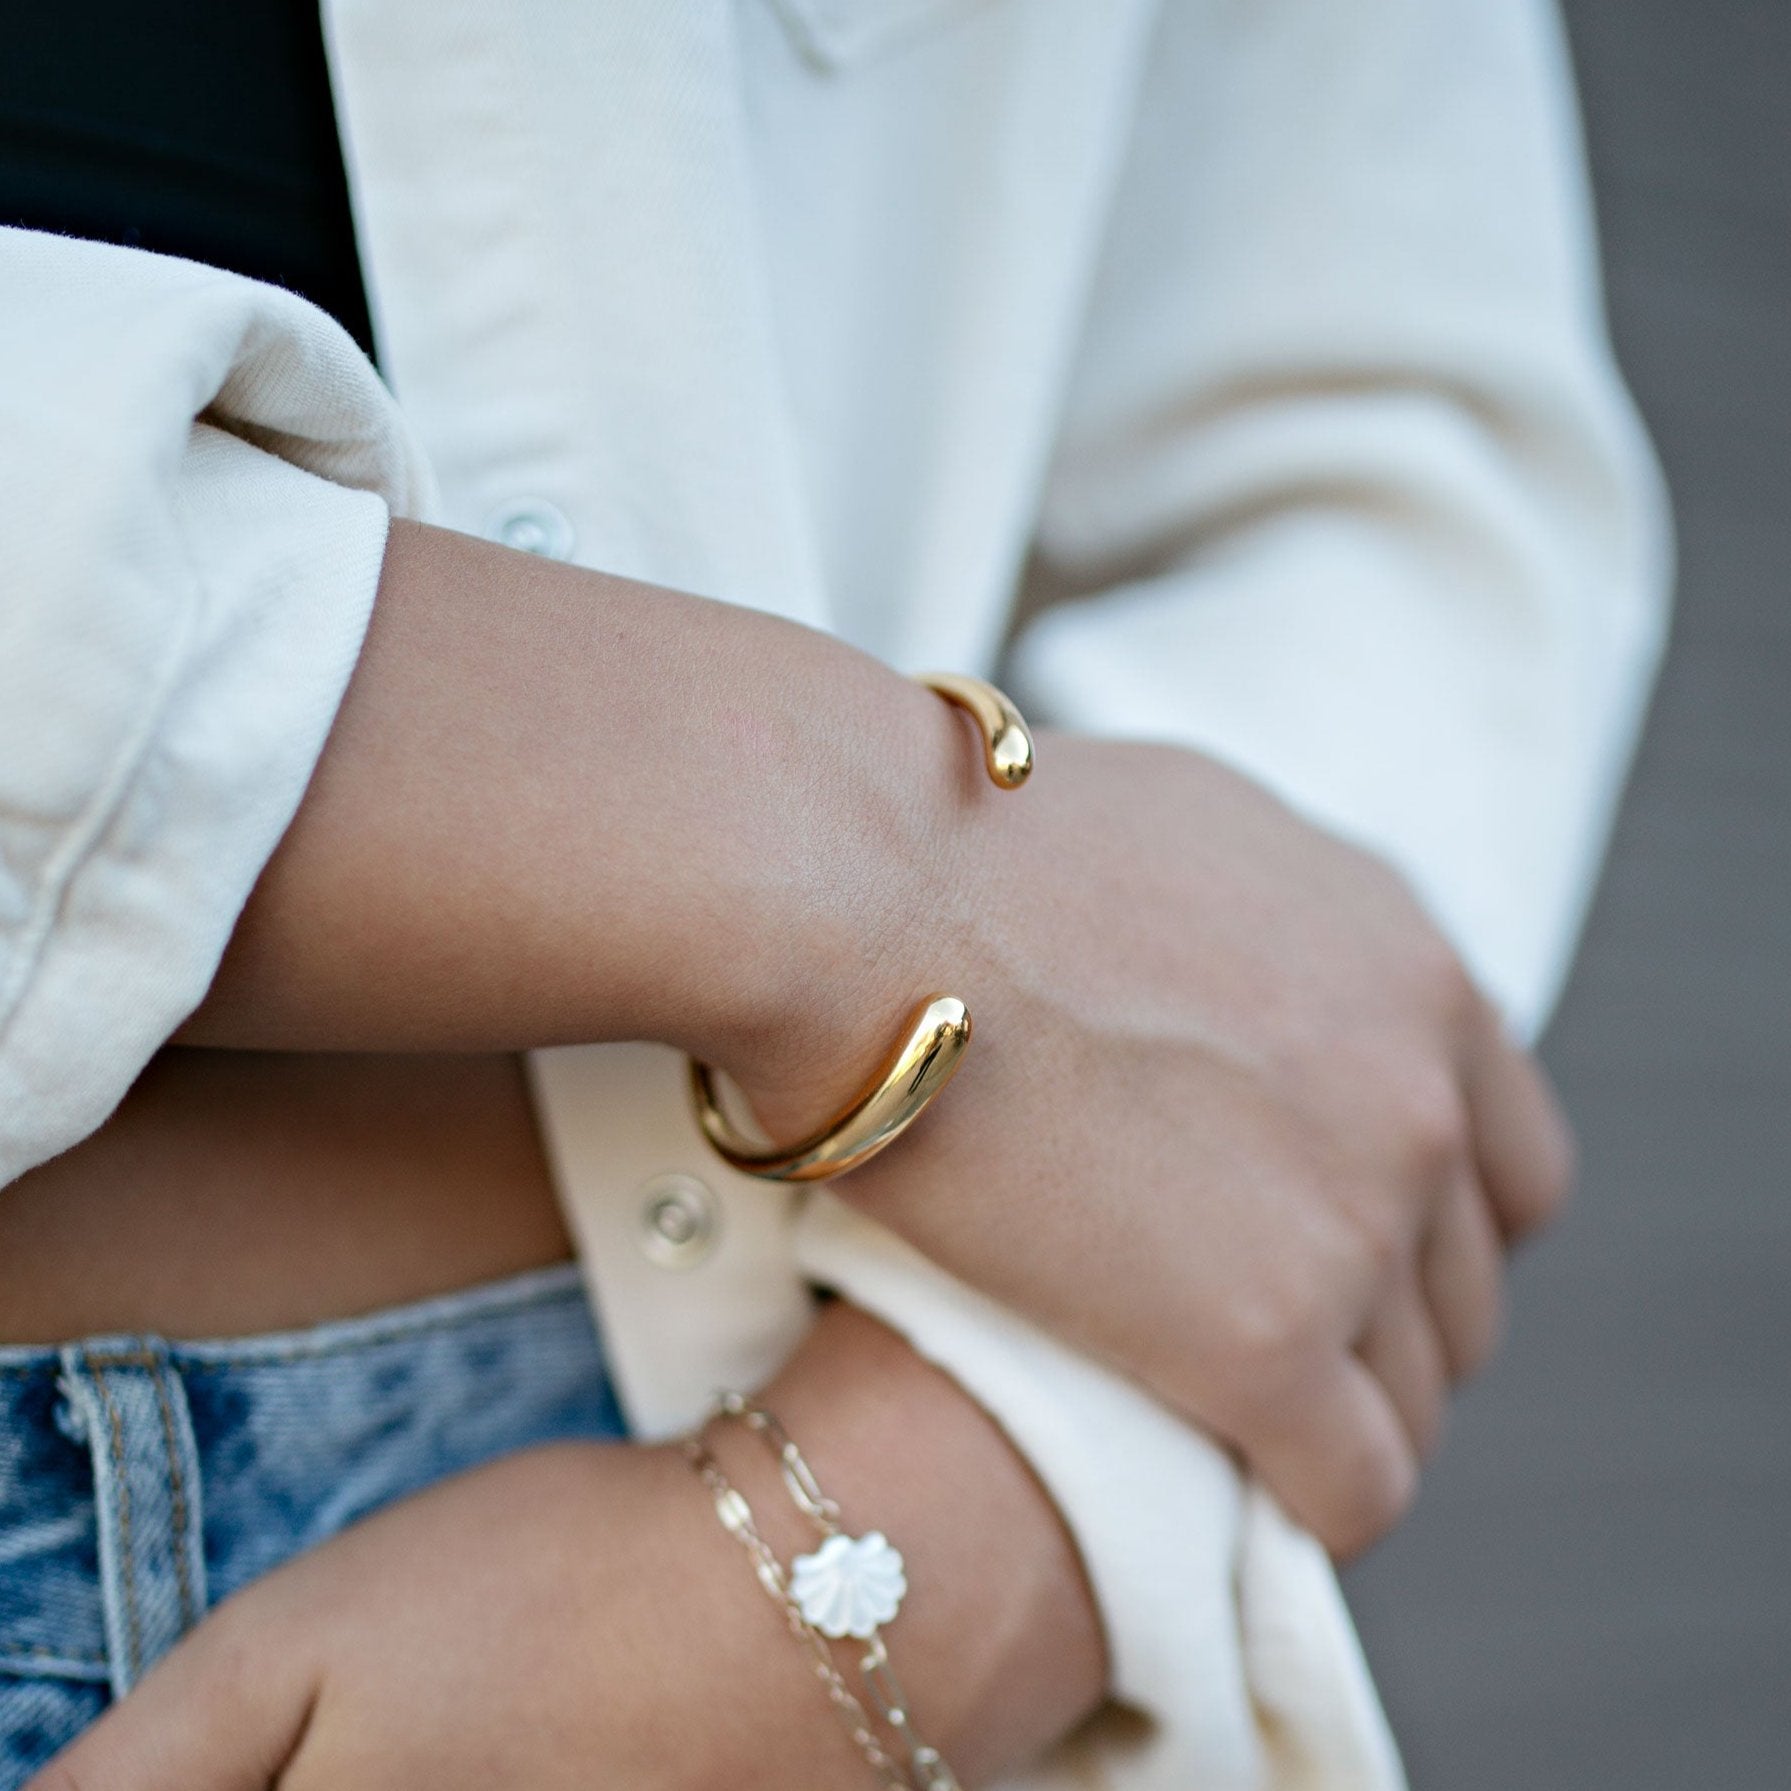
(679, 1221)
(532, 525)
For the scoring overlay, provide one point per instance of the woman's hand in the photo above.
(1233, 1116)
(575, 1615)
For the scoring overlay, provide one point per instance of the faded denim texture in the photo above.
(141, 1481)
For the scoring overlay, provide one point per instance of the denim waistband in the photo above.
(555, 1285)
(142, 1479)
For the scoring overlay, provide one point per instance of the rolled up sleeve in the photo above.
(196, 478)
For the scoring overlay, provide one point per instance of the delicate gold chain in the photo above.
(928, 1771)
(736, 1518)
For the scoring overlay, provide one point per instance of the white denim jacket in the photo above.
(1264, 338)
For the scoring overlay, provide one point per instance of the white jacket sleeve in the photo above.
(196, 473)
(1347, 483)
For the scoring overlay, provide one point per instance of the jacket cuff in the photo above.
(1224, 1625)
(196, 472)
(281, 568)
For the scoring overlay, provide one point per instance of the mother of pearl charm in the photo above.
(849, 1585)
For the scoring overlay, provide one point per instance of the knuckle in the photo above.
(1274, 1334)
(1409, 1106)
(1279, 1330)
(1433, 1120)
(222, 1650)
(227, 1659)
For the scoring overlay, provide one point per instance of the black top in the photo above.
(202, 128)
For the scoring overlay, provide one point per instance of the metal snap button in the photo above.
(532, 525)
(679, 1221)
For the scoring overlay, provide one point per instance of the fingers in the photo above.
(208, 1718)
(1342, 1448)
(1521, 1137)
(1344, 1451)
(1461, 1271)
(1337, 1454)
(1402, 1350)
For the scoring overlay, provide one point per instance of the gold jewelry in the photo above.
(924, 1060)
(850, 1586)
(927, 1055)
(737, 1519)
(1007, 740)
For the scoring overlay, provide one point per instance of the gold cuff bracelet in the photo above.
(929, 1051)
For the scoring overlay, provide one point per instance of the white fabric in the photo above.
(191, 469)
(1266, 334)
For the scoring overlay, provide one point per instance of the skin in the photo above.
(1238, 1120)
(618, 1635)
(236, 1192)
(1235, 1118)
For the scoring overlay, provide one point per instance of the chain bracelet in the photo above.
(736, 1518)
(927, 1771)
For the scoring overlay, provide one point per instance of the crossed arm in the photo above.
(1237, 1121)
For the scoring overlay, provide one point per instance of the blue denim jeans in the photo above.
(141, 1480)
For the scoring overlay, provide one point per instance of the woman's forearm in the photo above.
(558, 806)
(600, 1626)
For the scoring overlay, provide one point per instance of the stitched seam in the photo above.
(86, 836)
(133, 1618)
(178, 1491)
(36, 1651)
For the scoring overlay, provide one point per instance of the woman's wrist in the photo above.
(837, 863)
(998, 1642)
(882, 918)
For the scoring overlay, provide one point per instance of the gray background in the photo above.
(1596, 1588)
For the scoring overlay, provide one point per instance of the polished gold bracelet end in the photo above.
(922, 1063)
(1007, 740)
(938, 1032)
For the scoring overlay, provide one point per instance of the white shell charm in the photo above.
(849, 1585)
